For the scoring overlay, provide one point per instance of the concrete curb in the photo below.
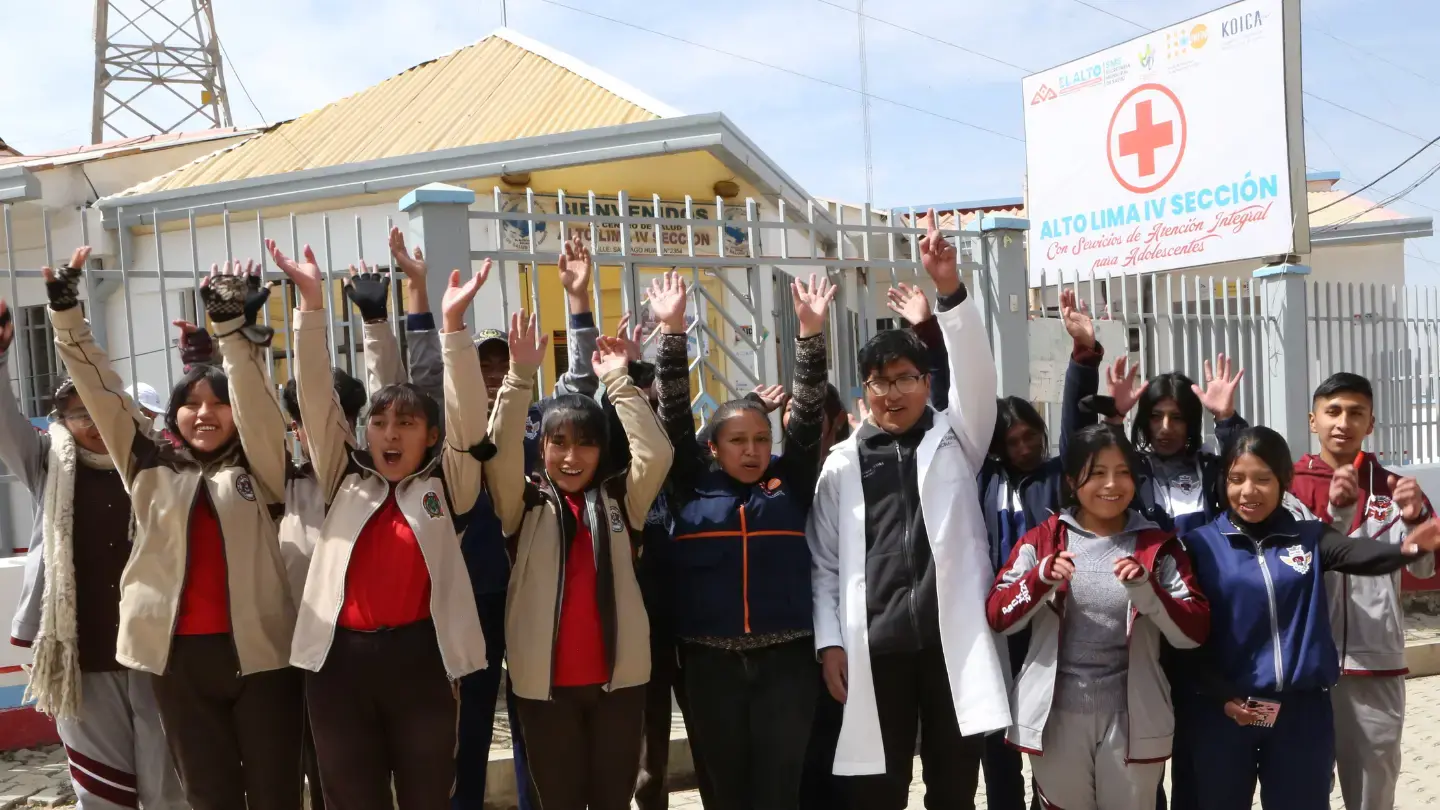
(1423, 658)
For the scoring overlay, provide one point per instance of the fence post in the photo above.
(1285, 372)
(440, 223)
(1003, 296)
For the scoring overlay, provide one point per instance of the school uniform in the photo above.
(1271, 639)
(1092, 704)
(204, 603)
(1369, 629)
(579, 653)
(69, 612)
(387, 620)
(741, 591)
(948, 659)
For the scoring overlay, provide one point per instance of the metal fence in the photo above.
(1389, 334)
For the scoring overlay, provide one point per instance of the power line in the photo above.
(795, 73)
(234, 71)
(1374, 55)
(930, 37)
(1116, 16)
(1314, 130)
(1370, 184)
(1366, 117)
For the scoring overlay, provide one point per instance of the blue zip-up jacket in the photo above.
(1270, 620)
(1040, 490)
(740, 561)
(1211, 483)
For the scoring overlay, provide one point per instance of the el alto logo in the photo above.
(1042, 95)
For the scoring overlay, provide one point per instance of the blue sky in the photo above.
(295, 55)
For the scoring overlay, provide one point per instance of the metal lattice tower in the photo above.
(157, 69)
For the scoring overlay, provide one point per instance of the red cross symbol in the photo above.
(1151, 142)
(1146, 137)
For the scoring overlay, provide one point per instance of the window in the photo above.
(43, 370)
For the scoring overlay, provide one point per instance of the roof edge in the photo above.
(708, 131)
(1368, 233)
(965, 205)
(589, 72)
(18, 184)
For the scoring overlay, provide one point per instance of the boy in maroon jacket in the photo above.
(1369, 701)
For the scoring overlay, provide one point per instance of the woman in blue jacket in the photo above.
(1270, 659)
(741, 564)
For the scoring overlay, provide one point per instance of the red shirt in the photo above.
(580, 644)
(205, 600)
(387, 583)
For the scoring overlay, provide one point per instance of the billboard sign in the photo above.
(1180, 148)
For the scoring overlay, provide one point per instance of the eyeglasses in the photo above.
(905, 384)
(79, 420)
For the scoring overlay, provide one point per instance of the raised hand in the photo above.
(305, 275)
(909, 302)
(575, 269)
(1062, 567)
(812, 303)
(1077, 321)
(414, 268)
(939, 258)
(1344, 487)
(632, 338)
(527, 343)
(862, 413)
(1220, 386)
(458, 297)
(62, 286)
(773, 396)
(1123, 388)
(369, 291)
(1129, 569)
(195, 344)
(610, 355)
(1409, 497)
(232, 291)
(667, 302)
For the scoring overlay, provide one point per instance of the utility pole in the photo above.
(864, 104)
(157, 69)
(503, 17)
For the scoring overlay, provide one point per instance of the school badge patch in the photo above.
(1185, 482)
(771, 487)
(245, 487)
(617, 523)
(1298, 558)
(532, 427)
(1379, 508)
(432, 505)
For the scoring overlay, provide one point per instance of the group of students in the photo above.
(217, 619)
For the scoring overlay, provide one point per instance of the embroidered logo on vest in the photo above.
(617, 523)
(771, 487)
(244, 486)
(1298, 558)
(1379, 508)
(1185, 482)
(532, 427)
(432, 505)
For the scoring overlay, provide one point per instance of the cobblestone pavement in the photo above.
(1419, 779)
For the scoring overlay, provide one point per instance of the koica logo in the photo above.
(1042, 95)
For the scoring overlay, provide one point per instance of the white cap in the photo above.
(146, 397)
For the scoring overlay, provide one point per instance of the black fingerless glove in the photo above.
(64, 291)
(229, 297)
(256, 294)
(370, 293)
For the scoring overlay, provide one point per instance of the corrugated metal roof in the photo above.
(107, 149)
(501, 88)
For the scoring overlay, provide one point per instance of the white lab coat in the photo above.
(948, 459)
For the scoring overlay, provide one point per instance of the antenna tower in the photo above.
(157, 69)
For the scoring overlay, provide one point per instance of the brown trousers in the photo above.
(235, 739)
(383, 707)
(583, 746)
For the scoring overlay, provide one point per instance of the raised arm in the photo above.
(427, 367)
(326, 430)
(505, 471)
(576, 267)
(1218, 397)
(100, 388)
(911, 303)
(807, 389)
(650, 451)
(23, 449)
(233, 298)
(1361, 556)
(1082, 373)
(972, 366)
(672, 377)
(466, 401)
(369, 291)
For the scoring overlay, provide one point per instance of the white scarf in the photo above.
(55, 674)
